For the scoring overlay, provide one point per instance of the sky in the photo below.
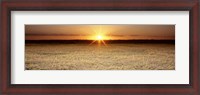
(108, 32)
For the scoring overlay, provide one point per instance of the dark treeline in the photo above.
(106, 41)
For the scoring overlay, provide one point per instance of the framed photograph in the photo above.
(137, 47)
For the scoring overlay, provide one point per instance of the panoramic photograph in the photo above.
(99, 47)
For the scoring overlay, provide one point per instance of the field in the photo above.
(93, 57)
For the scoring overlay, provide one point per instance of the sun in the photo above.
(99, 37)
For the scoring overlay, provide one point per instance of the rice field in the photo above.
(93, 57)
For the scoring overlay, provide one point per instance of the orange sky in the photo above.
(109, 32)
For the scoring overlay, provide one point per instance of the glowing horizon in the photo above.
(105, 32)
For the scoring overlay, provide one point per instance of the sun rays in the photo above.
(99, 37)
(100, 40)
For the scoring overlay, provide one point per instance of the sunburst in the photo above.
(100, 39)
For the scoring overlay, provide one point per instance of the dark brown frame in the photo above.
(193, 88)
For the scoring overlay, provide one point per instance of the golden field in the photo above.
(93, 57)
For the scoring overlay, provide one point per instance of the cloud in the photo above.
(56, 35)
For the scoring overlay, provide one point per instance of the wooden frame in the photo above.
(99, 5)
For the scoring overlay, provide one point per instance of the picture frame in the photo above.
(99, 5)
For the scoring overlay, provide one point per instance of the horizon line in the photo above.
(104, 40)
